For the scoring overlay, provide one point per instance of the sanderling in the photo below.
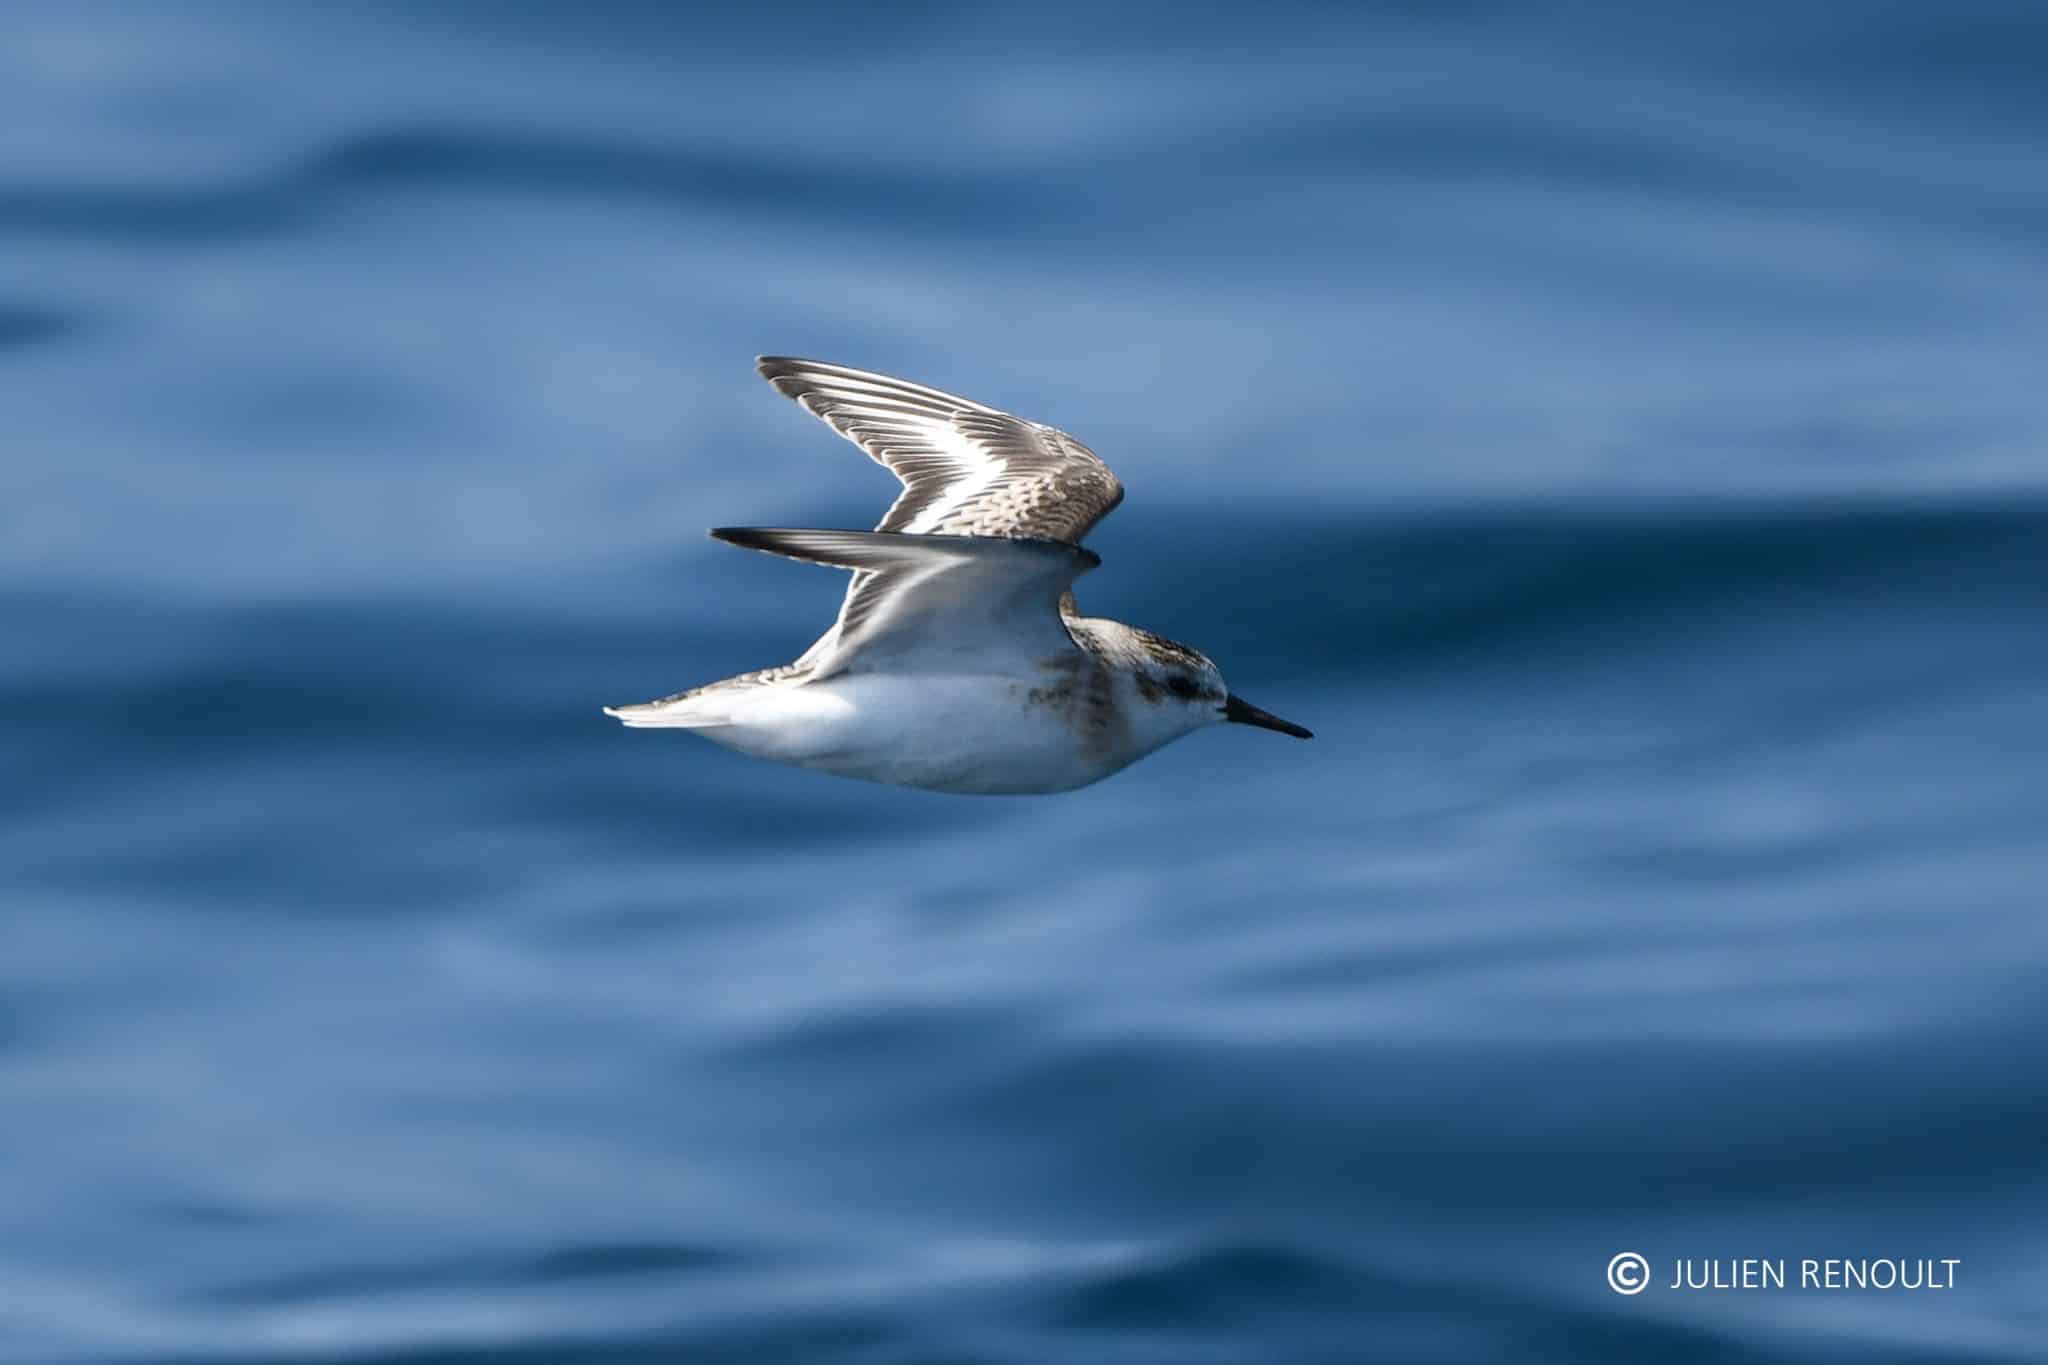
(959, 662)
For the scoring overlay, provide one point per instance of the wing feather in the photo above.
(933, 596)
(966, 468)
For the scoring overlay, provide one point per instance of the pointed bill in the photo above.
(1241, 712)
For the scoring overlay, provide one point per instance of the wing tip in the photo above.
(793, 376)
(871, 549)
(779, 367)
(746, 537)
(801, 378)
(808, 544)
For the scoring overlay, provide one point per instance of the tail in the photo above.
(684, 711)
(709, 706)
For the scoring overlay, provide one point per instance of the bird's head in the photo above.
(1187, 691)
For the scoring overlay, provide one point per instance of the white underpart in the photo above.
(970, 733)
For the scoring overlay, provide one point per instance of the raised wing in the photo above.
(966, 469)
(926, 599)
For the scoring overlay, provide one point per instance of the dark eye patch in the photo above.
(1182, 686)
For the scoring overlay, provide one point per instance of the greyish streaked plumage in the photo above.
(960, 661)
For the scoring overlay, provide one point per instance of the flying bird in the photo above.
(960, 661)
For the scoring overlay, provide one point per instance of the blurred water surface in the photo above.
(1616, 430)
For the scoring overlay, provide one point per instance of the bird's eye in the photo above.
(1182, 686)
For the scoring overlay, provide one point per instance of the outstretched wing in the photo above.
(966, 469)
(933, 599)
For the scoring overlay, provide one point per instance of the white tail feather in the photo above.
(678, 715)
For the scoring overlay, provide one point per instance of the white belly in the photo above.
(954, 733)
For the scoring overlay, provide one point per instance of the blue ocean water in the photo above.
(1618, 431)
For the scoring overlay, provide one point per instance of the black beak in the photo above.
(1244, 713)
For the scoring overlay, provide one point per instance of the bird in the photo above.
(960, 661)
